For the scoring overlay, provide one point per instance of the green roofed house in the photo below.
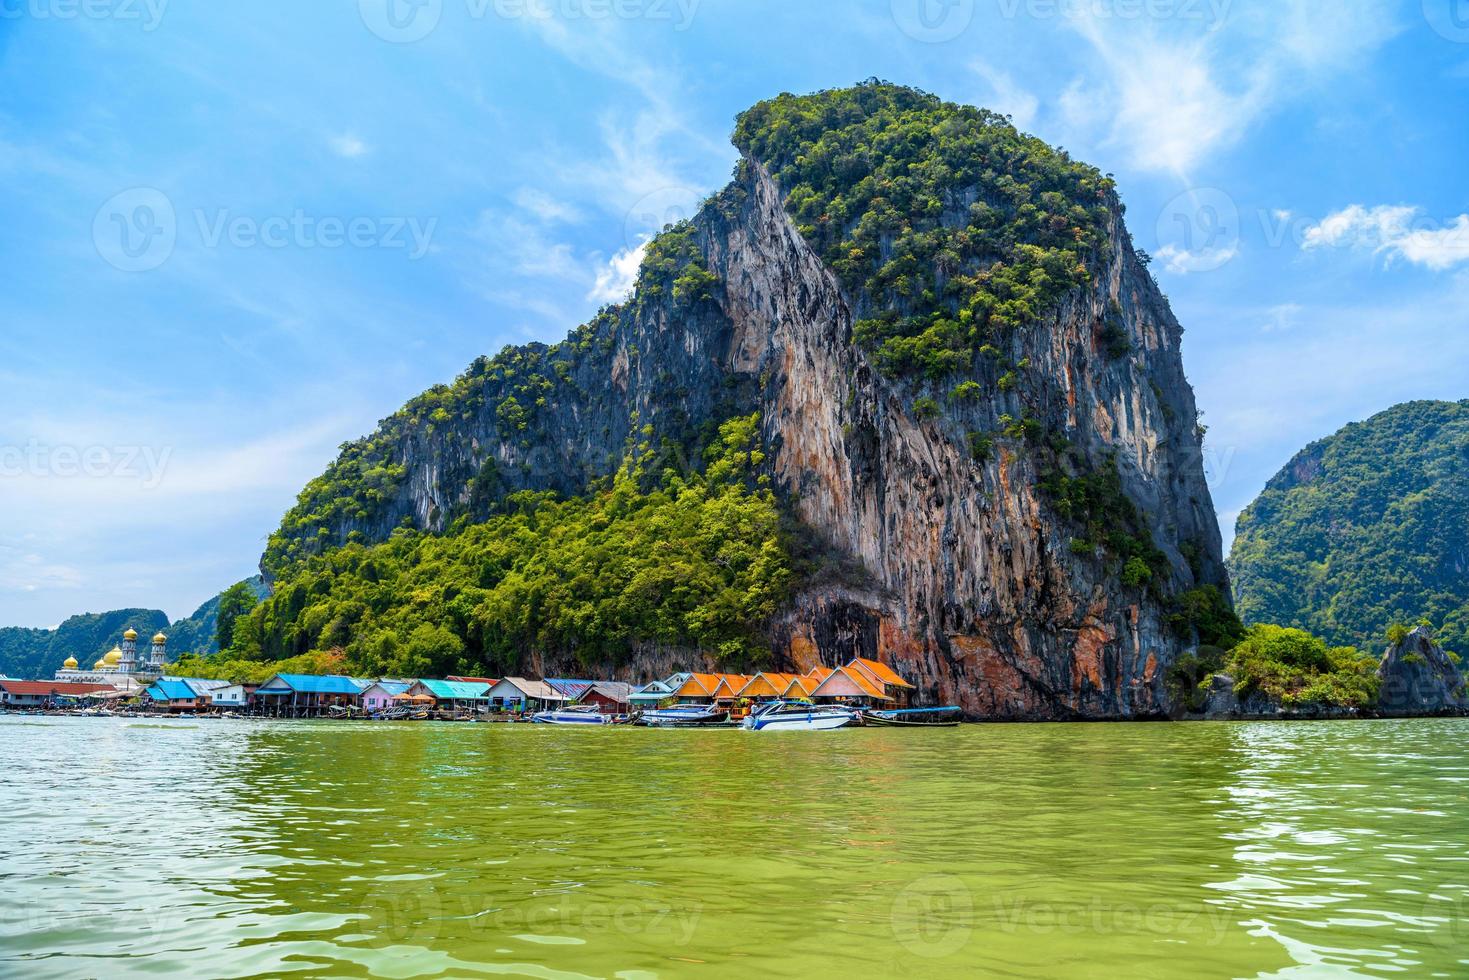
(453, 696)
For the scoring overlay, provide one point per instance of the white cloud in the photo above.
(349, 146)
(546, 208)
(1280, 317)
(1396, 231)
(1007, 97)
(1181, 261)
(616, 281)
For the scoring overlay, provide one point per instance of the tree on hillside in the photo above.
(234, 602)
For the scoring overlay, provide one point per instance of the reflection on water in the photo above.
(350, 849)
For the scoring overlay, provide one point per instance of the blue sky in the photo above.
(236, 235)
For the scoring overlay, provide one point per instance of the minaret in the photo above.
(129, 660)
(158, 656)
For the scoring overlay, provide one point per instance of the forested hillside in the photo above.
(1365, 529)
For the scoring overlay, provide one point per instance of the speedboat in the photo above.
(800, 716)
(683, 716)
(580, 714)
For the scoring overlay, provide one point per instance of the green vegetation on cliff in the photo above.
(948, 226)
(1365, 529)
(505, 395)
(681, 559)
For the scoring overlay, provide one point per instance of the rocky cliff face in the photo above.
(1419, 679)
(961, 571)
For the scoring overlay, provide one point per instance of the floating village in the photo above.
(124, 683)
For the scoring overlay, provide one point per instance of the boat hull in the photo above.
(812, 721)
(674, 718)
(569, 719)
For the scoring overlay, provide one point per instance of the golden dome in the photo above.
(112, 657)
(160, 638)
(99, 665)
(131, 634)
(70, 664)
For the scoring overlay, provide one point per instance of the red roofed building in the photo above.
(40, 694)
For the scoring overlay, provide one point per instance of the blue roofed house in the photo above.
(308, 695)
(173, 694)
(572, 689)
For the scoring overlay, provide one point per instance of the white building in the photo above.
(230, 696)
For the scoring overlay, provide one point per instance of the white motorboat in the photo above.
(580, 714)
(800, 716)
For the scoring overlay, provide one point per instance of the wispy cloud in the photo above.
(349, 146)
(1176, 92)
(545, 207)
(1281, 316)
(1020, 104)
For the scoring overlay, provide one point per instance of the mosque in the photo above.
(120, 666)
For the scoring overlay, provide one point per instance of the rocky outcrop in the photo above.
(956, 569)
(1223, 703)
(1418, 678)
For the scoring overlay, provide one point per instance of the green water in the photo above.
(218, 848)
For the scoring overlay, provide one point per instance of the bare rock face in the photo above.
(961, 572)
(975, 593)
(1418, 678)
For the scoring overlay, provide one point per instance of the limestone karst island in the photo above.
(733, 484)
